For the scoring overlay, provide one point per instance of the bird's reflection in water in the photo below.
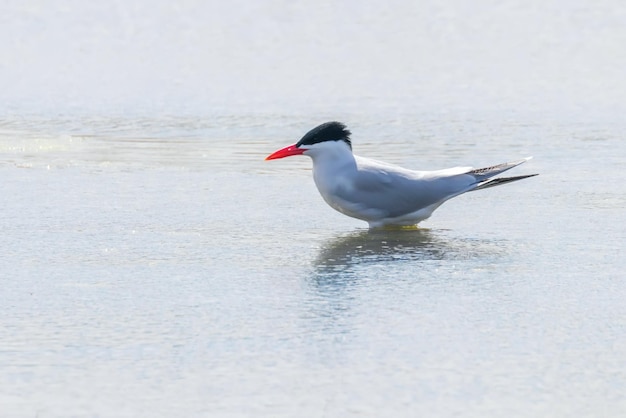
(351, 265)
(349, 261)
(340, 259)
(378, 245)
(343, 259)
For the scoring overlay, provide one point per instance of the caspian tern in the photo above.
(379, 193)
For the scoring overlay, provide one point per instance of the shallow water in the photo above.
(154, 265)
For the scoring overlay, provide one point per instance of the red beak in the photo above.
(285, 152)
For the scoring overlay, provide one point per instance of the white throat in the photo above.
(334, 167)
(331, 157)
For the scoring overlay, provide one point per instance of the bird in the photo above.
(382, 194)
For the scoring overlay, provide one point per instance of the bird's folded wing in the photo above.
(396, 193)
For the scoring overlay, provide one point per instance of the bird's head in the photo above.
(324, 138)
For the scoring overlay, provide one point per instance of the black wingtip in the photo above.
(502, 180)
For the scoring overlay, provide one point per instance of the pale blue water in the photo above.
(154, 265)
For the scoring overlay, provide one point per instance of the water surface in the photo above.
(154, 265)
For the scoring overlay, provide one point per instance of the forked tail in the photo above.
(484, 176)
(501, 180)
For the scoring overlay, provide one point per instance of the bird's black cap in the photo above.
(329, 131)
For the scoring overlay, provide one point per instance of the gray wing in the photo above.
(388, 191)
(382, 190)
